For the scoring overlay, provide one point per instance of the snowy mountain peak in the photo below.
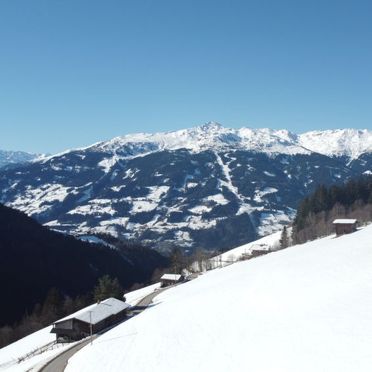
(213, 136)
(211, 125)
(15, 157)
(338, 142)
(209, 136)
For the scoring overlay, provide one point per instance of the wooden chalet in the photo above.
(93, 319)
(170, 279)
(345, 226)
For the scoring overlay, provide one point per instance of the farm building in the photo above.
(94, 319)
(345, 226)
(169, 279)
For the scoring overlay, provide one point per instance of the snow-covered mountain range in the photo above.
(209, 186)
(15, 157)
(212, 135)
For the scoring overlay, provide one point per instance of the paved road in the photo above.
(146, 301)
(59, 363)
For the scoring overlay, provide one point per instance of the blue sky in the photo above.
(73, 72)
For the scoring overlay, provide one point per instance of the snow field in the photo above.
(306, 308)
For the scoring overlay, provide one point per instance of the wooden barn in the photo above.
(94, 318)
(345, 226)
(170, 279)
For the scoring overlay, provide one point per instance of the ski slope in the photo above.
(307, 308)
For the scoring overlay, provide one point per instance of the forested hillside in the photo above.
(316, 212)
(34, 259)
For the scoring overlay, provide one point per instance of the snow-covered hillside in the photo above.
(306, 308)
(339, 142)
(268, 243)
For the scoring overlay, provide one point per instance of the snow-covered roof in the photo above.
(174, 277)
(345, 220)
(102, 310)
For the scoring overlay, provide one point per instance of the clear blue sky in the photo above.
(73, 72)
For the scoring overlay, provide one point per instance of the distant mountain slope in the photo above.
(338, 142)
(34, 259)
(15, 157)
(210, 187)
(305, 308)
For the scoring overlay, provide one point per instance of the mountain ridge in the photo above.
(196, 188)
(8, 157)
(213, 135)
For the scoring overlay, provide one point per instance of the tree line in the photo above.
(316, 212)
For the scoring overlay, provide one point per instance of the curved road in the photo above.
(59, 363)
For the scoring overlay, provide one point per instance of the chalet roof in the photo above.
(102, 310)
(174, 277)
(345, 221)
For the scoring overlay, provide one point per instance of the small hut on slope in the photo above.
(93, 319)
(345, 226)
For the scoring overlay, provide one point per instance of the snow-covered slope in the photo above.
(339, 142)
(267, 243)
(306, 308)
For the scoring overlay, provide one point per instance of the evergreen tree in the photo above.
(284, 240)
(177, 261)
(108, 287)
(52, 307)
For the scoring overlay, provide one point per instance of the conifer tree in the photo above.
(108, 287)
(284, 240)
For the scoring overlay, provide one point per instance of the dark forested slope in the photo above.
(316, 212)
(34, 259)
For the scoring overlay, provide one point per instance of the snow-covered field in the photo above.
(134, 297)
(306, 308)
(268, 243)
